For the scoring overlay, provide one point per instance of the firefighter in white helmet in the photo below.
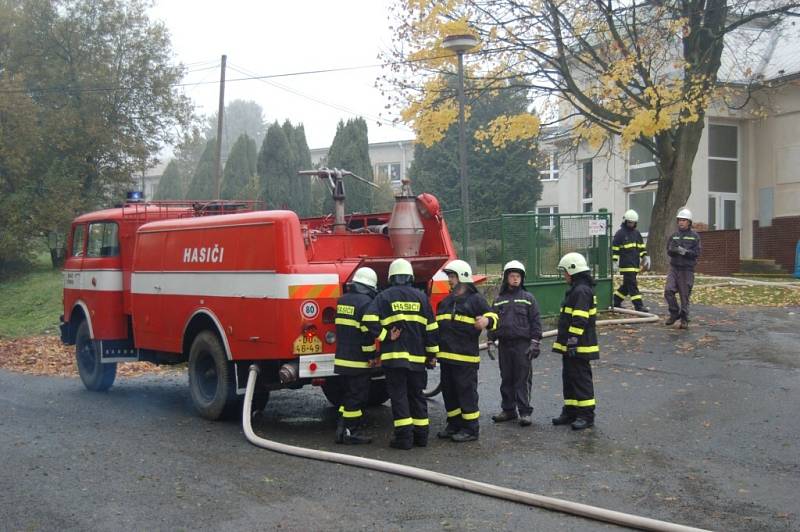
(577, 343)
(518, 333)
(683, 248)
(630, 256)
(355, 352)
(461, 316)
(402, 319)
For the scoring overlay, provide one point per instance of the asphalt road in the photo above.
(698, 427)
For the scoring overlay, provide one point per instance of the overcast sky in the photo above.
(266, 38)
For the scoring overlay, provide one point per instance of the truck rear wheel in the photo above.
(211, 378)
(96, 376)
(333, 388)
(377, 392)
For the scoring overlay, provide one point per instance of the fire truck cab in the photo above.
(220, 286)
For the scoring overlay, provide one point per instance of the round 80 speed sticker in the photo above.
(309, 309)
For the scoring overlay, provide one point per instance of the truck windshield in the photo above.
(103, 240)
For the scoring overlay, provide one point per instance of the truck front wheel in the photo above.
(96, 376)
(211, 379)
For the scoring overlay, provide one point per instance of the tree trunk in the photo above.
(674, 187)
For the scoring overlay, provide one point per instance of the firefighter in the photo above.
(683, 248)
(629, 254)
(355, 353)
(402, 319)
(518, 332)
(461, 316)
(577, 343)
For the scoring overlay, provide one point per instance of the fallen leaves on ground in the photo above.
(46, 355)
(739, 295)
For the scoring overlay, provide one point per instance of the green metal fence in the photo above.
(540, 240)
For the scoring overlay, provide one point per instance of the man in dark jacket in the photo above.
(683, 248)
(355, 352)
(630, 254)
(461, 316)
(402, 319)
(577, 343)
(518, 332)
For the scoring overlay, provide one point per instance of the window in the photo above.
(587, 183)
(78, 237)
(642, 202)
(641, 165)
(723, 176)
(549, 172)
(387, 172)
(550, 220)
(103, 240)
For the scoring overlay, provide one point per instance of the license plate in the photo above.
(307, 346)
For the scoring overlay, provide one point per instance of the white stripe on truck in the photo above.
(98, 280)
(225, 284)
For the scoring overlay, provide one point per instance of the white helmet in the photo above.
(367, 277)
(513, 265)
(630, 216)
(461, 268)
(685, 213)
(573, 263)
(400, 267)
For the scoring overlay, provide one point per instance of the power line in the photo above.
(321, 102)
(72, 90)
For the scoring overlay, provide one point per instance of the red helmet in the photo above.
(428, 205)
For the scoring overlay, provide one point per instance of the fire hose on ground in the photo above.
(482, 488)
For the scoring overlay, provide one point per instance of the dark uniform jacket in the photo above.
(577, 319)
(458, 337)
(408, 309)
(354, 345)
(691, 242)
(519, 316)
(628, 248)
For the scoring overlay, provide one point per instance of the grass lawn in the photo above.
(30, 302)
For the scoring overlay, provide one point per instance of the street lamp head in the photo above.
(460, 43)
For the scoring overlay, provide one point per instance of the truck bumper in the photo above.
(315, 366)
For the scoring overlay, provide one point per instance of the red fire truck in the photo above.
(221, 286)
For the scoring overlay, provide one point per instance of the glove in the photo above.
(572, 347)
(646, 263)
(533, 350)
(430, 362)
(615, 266)
(491, 349)
(682, 250)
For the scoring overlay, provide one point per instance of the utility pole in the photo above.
(218, 169)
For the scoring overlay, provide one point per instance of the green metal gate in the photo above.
(540, 240)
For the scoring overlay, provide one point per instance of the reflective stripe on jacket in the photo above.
(519, 316)
(628, 248)
(409, 310)
(577, 320)
(354, 345)
(458, 337)
(690, 240)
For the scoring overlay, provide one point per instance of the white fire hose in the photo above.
(482, 488)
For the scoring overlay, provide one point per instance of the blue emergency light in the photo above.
(134, 196)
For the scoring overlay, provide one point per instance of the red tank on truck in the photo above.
(220, 285)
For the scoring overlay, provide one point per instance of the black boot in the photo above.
(505, 415)
(642, 308)
(421, 437)
(565, 418)
(617, 302)
(402, 439)
(582, 423)
(670, 321)
(448, 431)
(354, 437)
(465, 436)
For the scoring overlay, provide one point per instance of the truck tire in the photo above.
(96, 376)
(211, 378)
(377, 392)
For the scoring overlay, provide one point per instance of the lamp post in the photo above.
(460, 44)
